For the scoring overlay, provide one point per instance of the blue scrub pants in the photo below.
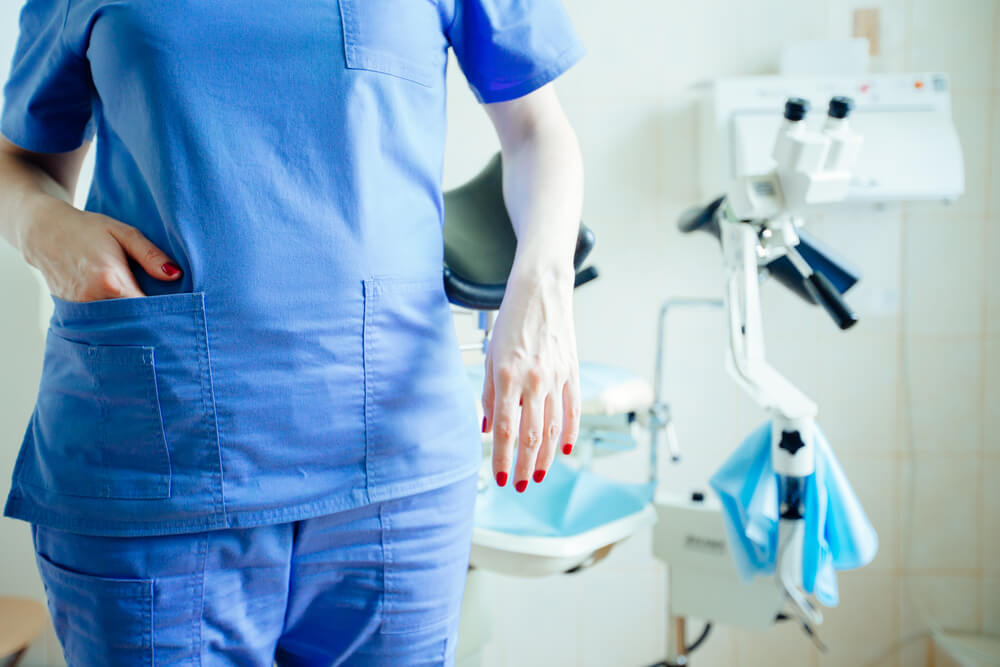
(378, 585)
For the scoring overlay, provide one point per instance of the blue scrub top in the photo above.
(288, 156)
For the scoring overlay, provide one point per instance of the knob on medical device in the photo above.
(840, 107)
(796, 108)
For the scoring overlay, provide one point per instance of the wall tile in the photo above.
(781, 21)
(939, 498)
(870, 240)
(858, 398)
(991, 605)
(991, 400)
(536, 620)
(991, 515)
(892, 54)
(874, 482)
(945, 380)
(704, 400)
(914, 651)
(471, 139)
(943, 284)
(943, 39)
(862, 629)
(972, 114)
(932, 602)
(622, 144)
(996, 51)
(786, 639)
(621, 615)
(720, 648)
(992, 262)
(626, 51)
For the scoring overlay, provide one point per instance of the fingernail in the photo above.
(170, 269)
(539, 475)
(484, 424)
(501, 478)
(521, 486)
(567, 448)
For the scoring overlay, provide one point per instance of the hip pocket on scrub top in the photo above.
(97, 422)
(403, 38)
(420, 411)
(125, 405)
(99, 621)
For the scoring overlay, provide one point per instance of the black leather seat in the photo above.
(479, 242)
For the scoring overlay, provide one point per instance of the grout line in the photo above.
(989, 195)
(907, 33)
(971, 572)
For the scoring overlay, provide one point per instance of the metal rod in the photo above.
(660, 416)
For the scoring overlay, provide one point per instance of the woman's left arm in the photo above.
(531, 361)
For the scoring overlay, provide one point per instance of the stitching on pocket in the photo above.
(370, 291)
(109, 371)
(358, 55)
(68, 590)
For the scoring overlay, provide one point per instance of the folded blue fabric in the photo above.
(838, 534)
(569, 502)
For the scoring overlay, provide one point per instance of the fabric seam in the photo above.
(20, 508)
(562, 62)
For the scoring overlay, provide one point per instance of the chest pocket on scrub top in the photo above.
(403, 38)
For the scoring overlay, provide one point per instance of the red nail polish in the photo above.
(567, 448)
(501, 478)
(170, 269)
(484, 424)
(521, 486)
(539, 475)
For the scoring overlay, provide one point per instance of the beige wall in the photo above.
(908, 399)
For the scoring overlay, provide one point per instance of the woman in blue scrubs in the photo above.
(251, 439)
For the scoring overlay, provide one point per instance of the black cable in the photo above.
(705, 631)
(701, 638)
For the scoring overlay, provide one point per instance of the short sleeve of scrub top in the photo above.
(288, 156)
(508, 48)
(49, 84)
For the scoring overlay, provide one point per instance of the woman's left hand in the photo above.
(531, 363)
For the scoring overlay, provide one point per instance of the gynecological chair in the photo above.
(576, 517)
(784, 517)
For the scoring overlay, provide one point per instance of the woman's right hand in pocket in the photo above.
(84, 255)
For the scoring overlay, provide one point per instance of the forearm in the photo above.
(543, 191)
(26, 188)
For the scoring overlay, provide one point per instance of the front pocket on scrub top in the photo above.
(97, 424)
(420, 411)
(403, 38)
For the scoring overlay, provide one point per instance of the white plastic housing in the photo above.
(911, 149)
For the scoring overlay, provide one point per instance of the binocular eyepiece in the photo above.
(796, 108)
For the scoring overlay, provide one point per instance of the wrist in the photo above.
(536, 266)
(35, 212)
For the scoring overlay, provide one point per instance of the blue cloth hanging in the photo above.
(838, 534)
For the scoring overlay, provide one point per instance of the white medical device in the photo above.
(758, 223)
(912, 150)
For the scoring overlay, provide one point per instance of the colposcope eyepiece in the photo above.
(796, 108)
(840, 106)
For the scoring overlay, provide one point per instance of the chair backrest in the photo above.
(479, 241)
